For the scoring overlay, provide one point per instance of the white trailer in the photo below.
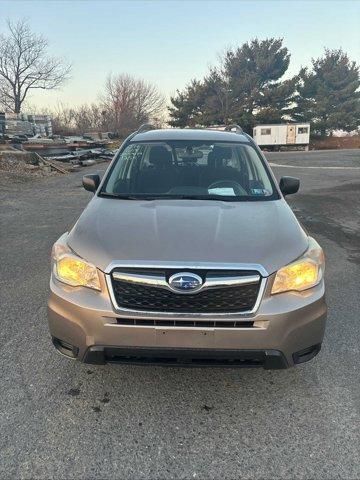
(282, 135)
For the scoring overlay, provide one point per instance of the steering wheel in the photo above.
(238, 189)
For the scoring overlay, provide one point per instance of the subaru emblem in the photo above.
(185, 282)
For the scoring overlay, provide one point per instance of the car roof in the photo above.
(189, 134)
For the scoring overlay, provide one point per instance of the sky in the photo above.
(171, 42)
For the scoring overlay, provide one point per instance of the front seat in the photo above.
(217, 170)
(160, 175)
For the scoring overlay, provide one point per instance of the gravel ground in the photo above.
(61, 419)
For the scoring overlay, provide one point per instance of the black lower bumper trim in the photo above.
(268, 359)
(307, 354)
(65, 348)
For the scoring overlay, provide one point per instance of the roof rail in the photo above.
(145, 127)
(237, 128)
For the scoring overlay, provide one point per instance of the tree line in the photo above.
(247, 87)
(124, 104)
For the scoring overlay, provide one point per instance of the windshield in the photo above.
(189, 169)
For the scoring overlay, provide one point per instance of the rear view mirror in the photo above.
(289, 185)
(91, 182)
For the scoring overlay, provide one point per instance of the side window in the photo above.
(243, 162)
(259, 180)
(232, 161)
(131, 159)
(145, 159)
(125, 164)
(203, 161)
(303, 130)
(265, 131)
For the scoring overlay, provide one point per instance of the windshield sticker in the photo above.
(226, 191)
(259, 191)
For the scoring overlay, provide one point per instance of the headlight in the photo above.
(306, 272)
(73, 270)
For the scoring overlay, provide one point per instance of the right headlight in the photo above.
(306, 272)
(71, 269)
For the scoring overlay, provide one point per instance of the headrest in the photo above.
(159, 156)
(216, 157)
(222, 153)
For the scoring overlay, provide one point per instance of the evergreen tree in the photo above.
(186, 105)
(254, 74)
(201, 103)
(328, 94)
(245, 89)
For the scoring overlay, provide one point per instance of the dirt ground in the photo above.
(62, 419)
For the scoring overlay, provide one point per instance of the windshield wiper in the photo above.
(187, 197)
(221, 198)
(121, 196)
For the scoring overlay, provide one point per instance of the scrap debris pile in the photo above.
(20, 165)
(42, 156)
(77, 150)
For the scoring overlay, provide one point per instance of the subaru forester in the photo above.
(188, 254)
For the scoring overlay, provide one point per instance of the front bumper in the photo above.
(287, 328)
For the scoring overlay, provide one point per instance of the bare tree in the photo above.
(63, 119)
(88, 118)
(128, 102)
(25, 65)
(75, 120)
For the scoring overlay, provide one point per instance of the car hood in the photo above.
(187, 232)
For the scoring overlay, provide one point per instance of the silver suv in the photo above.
(188, 254)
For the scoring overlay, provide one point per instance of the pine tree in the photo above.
(186, 105)
(254, 74)
(201, 103)
(328, 94)
(245, 89)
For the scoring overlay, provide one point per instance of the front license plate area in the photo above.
(185, 337)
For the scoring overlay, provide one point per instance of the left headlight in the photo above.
(73, 270)
(306, 272)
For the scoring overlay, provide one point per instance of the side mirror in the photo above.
(91, 182)
(289, 185)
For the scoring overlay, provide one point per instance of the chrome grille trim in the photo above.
(160, 281)
(125, 312)
(185, 266)
(153, 280)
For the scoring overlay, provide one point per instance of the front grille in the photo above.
(239, 298)
(184, 323)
